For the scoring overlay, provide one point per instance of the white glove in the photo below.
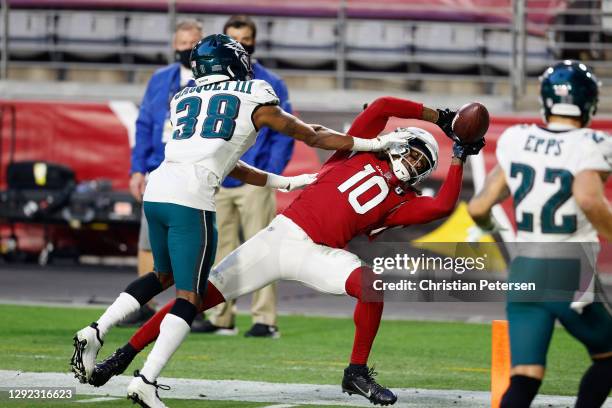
(475, 233)
(380, 143)
(286, 184)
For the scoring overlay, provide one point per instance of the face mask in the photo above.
(183, 57)
(250, 49)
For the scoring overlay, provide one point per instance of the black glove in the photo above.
(463, 150)
(445, 122)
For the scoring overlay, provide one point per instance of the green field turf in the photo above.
(174, 403)
(312, 350)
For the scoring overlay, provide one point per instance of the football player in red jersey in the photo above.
(353, 194)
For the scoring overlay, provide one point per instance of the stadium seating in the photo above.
(423, 39)
(148, 34)
(498, 45)
(380, 46)
(90, 35)
(451, 46)
(30, 33)
(211, 23)
(299, 42)
(303, 42)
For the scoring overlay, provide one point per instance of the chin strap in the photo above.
(399, 170)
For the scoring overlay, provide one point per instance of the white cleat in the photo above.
(144, 392)
(87, 343)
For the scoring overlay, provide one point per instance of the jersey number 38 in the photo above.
(220, 120)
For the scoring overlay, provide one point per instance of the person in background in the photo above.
(153, 130)
(243, 210)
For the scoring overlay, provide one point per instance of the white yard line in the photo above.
(274, 393)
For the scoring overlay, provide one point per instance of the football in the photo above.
(471, 122)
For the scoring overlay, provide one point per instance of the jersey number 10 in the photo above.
(220, 121)
(365, 186)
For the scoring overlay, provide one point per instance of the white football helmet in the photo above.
(421, 141)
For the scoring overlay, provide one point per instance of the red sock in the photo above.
(150, 330)
(212, 297)
(366, 317)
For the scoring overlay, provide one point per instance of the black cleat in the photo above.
(207, 327)
(263, 330)
(360, 380)
(113, 365)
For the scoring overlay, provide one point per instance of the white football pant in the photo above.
(283, 251)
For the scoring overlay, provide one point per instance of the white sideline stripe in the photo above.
(279, 393)
(93, 400)
(127, 113)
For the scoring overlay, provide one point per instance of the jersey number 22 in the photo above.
(550, 207)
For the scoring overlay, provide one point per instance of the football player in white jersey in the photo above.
(556, 175)
(215, 122)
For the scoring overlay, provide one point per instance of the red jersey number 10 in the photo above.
(371, 181)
